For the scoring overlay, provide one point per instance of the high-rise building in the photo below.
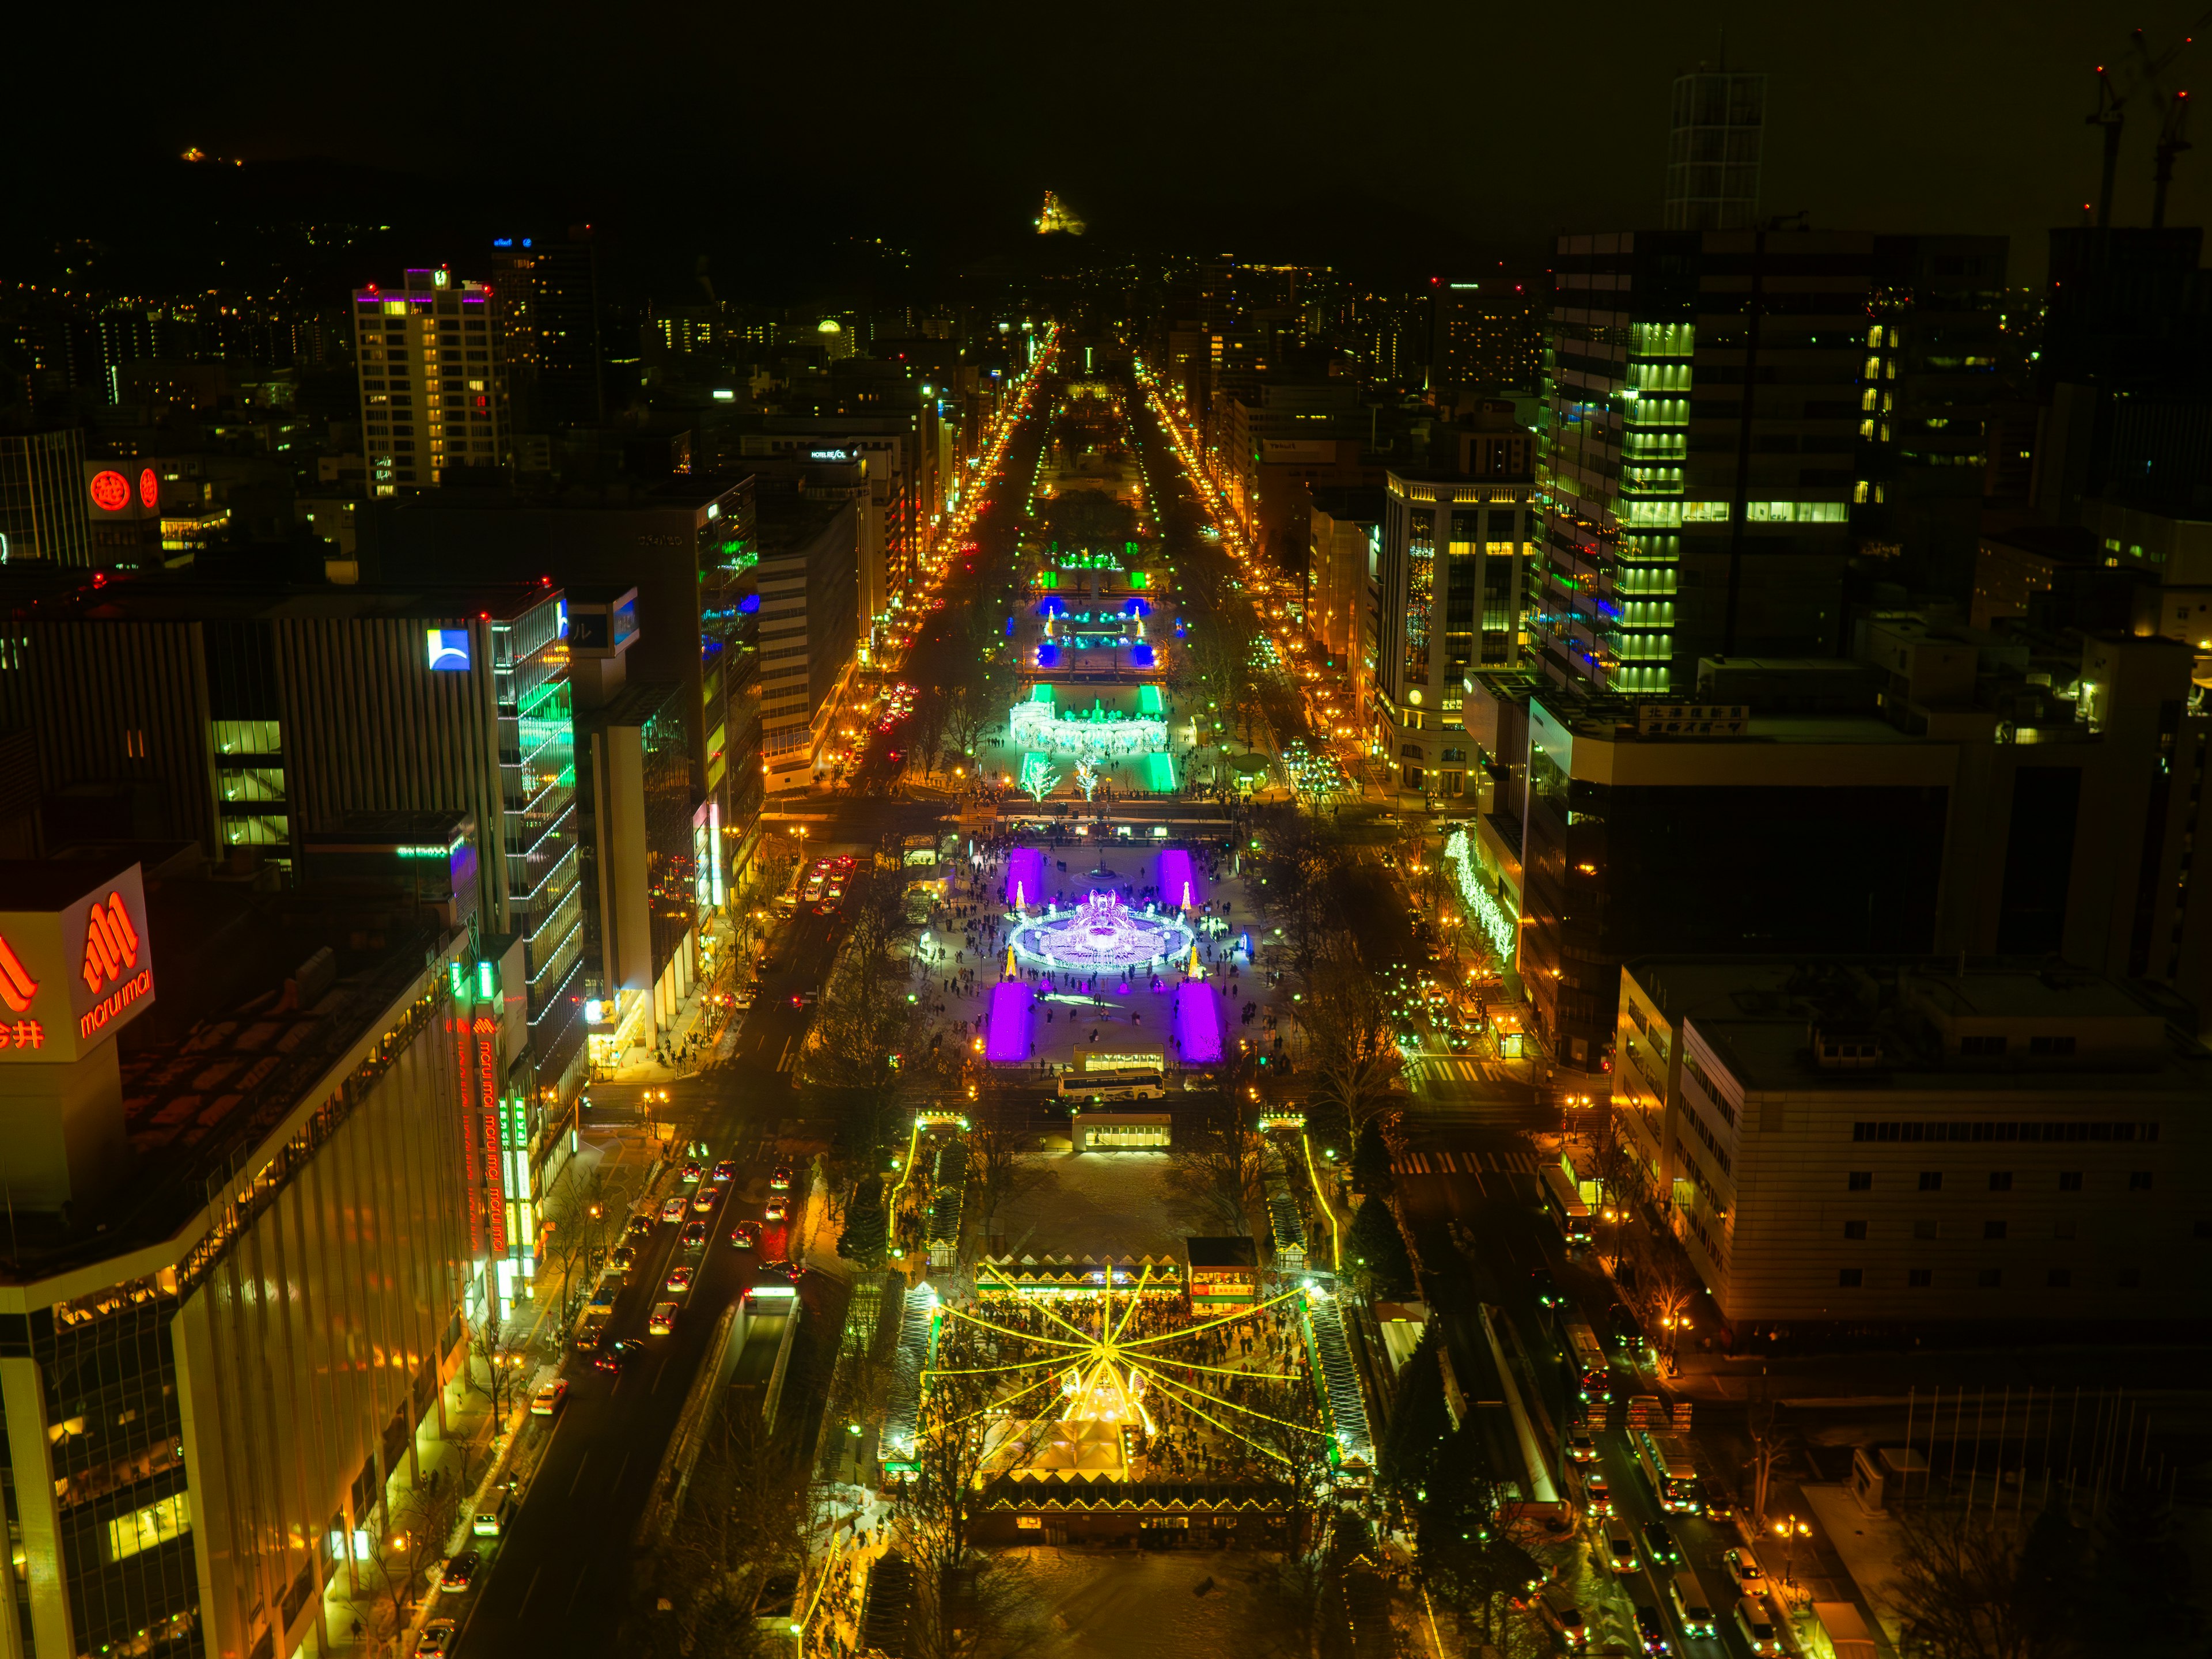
(690, 546)
(1701, 450)
(1485, 335)
(1451, 586)
(206, 1097)
(808, 589)
(1714, 149)
(241, 719)
(434, 387)
(546, 290)
(43, 514)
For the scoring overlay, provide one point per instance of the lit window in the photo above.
(150, 1528)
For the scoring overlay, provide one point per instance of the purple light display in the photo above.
(1007, 1042)
(1198, 1023)
(1178, 877)
(1025, 876)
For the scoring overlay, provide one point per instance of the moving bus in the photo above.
(1588, 1359)
(1128, 1083)
(1568, 1212)
(1665, 1459)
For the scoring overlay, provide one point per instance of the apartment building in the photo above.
(1898, 1141)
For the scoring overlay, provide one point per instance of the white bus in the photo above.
(1565, 1206)
(1125, 1083)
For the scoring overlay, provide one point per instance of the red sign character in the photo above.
(111, 491)
(111, 944)
(17, 987)
(149, 489)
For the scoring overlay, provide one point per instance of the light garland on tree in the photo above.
(1482, 903)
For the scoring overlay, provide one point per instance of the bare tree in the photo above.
(420, 1527)
(935, 1508)
(1217, 1164)
(500, 1347)
(999, 1133)
(584, 1214)
(1957, 1589)
(1350, 1031)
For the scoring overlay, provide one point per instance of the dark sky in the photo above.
(1396, 136)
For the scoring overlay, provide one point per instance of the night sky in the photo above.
(1389, 140)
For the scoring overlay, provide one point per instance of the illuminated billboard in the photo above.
(74, 972)
(448, 649)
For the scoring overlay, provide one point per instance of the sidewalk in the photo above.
(696, 1016)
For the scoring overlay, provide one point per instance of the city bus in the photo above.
(1665, 1461)
(1568, 1212)
(1120, 1083)
(1589, 1361)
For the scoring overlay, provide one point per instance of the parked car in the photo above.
(437, 1639)
(547, 1400)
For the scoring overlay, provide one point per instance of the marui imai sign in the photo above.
(71, 978)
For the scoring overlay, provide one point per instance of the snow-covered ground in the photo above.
(1139, 1604)
(1095, 1204)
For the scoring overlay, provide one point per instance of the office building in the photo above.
(210, 1096)
(1452, 583)
(546, 291)
(1897, 1142)
(1701, 450)
(43, 504)
(808, 620)
(1344, 555)
(1715, 146)
(1928, 797)
(1485, 335)
(241, 719)
(434, 387)
(648, 842)
(688, 545)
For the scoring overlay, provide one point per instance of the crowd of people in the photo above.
(1255, 1368)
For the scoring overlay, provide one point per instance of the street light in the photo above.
(1790, 1531)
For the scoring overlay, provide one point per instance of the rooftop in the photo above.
(252, 1014)
(1990, 1025)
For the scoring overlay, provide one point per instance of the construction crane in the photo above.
(2109, 115)
(2172, 113)
(2173, 119)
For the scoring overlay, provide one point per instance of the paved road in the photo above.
(559, 1584)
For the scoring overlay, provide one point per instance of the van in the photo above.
(1691, 1610)
(1620, 1547)
(1758, 1629)
(493, 1520)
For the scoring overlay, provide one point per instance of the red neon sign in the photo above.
(111, 944)
(149, 489)
(17, 987)
(111, 491)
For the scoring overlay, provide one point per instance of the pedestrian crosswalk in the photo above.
(1458, 1068)
(1465, 1162)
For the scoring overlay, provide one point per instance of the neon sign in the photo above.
(17, 987)
(111, 491)
(149, 489)
(111, 944)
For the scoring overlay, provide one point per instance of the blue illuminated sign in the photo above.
(449, 650)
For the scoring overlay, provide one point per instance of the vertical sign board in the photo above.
(75, 971)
